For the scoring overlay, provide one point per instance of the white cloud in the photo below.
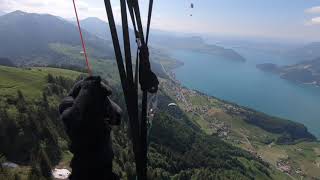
(313, 10)
(314, 21)
(62, 8)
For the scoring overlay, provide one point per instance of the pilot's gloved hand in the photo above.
(88, 105)
(90, 95)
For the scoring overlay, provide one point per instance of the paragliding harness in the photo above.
(129, 80)
(142, 75)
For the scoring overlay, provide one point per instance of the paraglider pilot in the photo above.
(87, 113)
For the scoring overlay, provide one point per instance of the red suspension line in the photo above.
(82, 40)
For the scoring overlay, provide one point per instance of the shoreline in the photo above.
(172, 77)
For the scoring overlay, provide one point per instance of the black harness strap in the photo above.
(144, 128)
(149, 20)
(143, 74)
(116, 44)
(129, 2)
(136, 77)
(126, 41)
(132, 108)
(132, 90)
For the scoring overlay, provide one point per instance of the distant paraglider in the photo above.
(191, 6)
(172, 104)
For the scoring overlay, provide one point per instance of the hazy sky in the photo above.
(294, 19)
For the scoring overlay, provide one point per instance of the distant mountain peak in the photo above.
(18, 12)
(94, 19)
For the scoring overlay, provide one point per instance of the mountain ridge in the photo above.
(307, 52)
(161, 40)
(28, 35)
(305, 72)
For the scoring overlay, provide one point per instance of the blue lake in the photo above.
(244, 84)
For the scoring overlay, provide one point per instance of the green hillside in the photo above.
(30, 81)
(179, 149)
(30, 134)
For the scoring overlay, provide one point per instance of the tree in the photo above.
(45, 165)
(20, 95)
(2, 160)
(45, 102)
(17, 177)
(50, 78)
(21, 102)
(35, 173)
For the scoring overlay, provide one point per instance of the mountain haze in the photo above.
(2, 13)
(195, 43)
(101, 29)
(96, 26)
(160, 39)
(307, 52)
(29, 35)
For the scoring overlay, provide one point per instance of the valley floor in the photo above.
(215, 117)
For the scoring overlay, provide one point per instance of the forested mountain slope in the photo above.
(178, 147)
(30, 133)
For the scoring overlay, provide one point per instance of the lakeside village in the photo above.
(183, 95)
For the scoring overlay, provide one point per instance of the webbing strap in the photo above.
(149, 20)
(133, 92)
(132, 16)
(130, 7)
(135, 5)
(129, 2)
(131, 107)
(144, 113)
(130, 86)
(143, 122)
(126, 41)
(143, 127)
(136, 77)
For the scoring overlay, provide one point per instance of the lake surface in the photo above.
(244, 84)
